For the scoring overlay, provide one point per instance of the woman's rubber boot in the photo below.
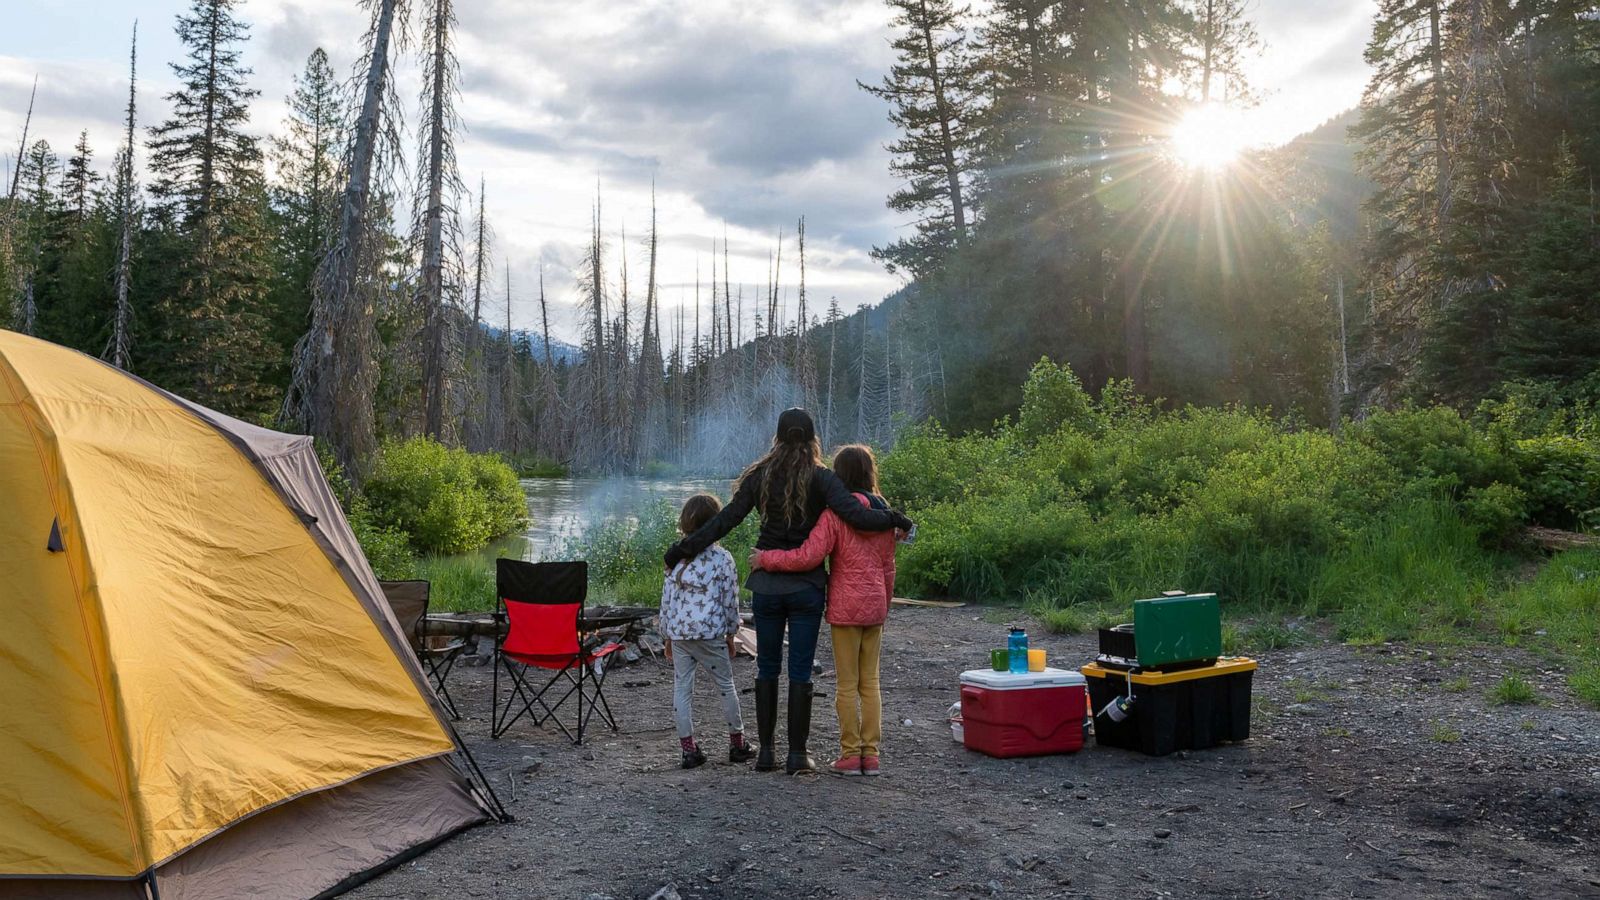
(799, 728)
(766, 723)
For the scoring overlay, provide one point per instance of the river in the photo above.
(562, 508)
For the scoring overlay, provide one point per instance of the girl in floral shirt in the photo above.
(699, 617)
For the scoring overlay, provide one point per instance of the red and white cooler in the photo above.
(1035, 714)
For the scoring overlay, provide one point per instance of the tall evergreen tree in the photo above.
(210, 202)
(1405, 149)
(931, 101)
(305, 197)
(1553, 317)
(78, 181)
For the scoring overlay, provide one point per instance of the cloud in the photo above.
(741, 116)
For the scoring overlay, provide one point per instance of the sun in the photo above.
(1210, 137)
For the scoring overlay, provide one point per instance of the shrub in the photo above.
(1497, 512)
(1561, 478)
(1435, 449)
(1053, 398)
(447, 500)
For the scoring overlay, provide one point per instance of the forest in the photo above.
(1435, 245)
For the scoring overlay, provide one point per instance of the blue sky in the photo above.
(744, 116)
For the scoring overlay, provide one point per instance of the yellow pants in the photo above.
(860, 705)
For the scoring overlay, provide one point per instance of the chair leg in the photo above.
(600, 698)
(438, 673)
(504, 718)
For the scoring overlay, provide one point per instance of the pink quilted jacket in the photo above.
(860, 575)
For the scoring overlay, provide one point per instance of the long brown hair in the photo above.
(857, 468)
(785, 472)
(698, 510)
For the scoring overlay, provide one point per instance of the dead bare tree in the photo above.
(436, 227)
(119, 349)
(335, 364)
(479, 425)
(8, 220)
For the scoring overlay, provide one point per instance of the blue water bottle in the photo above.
(1018, 645)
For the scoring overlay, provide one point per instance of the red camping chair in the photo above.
(542, 603)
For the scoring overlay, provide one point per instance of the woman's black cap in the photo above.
(795, 426)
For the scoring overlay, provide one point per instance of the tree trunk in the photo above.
(121, 344)
(335, 371)
(432, 288)
(947, 147)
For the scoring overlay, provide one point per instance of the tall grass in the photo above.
(459, 583)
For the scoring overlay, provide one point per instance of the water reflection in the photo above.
(562, 508)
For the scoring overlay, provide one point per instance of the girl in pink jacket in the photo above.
(860, 583)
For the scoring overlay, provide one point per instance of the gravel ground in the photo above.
(1374, 772)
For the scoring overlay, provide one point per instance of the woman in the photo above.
(788, 487)
(860, 585)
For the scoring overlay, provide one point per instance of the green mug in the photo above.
(1000, 660)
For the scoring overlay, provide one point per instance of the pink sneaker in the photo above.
(846, 765)
(869, 766)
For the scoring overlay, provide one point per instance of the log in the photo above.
(1556, 539)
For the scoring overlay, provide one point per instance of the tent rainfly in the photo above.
(202, 691)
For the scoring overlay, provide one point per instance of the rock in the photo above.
(1303, 709)
(667, 892)
(1163, 832)
(996, 887)
(1098, 823)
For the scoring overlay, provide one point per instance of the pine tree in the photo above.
(210, 201)
(1405, 149)
(1225, 39)
(1554, 321)
(305, 198)
(78, 181)
(930, 101)
(41, 211)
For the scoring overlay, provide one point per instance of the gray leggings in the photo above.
(687, 657)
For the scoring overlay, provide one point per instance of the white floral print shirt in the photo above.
(700, 600)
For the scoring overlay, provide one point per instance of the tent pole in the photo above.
(498, 808)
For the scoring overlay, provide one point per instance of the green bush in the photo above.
(1053, 398)
(1435, 450)
(1497, 512)
(447, 500)
(1561, 479)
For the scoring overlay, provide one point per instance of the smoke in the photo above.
(731, 432)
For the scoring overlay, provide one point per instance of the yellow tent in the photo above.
(202, 691)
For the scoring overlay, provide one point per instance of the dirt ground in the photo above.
(1376, 772)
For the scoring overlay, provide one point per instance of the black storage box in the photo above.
(1190, 709)
(1117, 642)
